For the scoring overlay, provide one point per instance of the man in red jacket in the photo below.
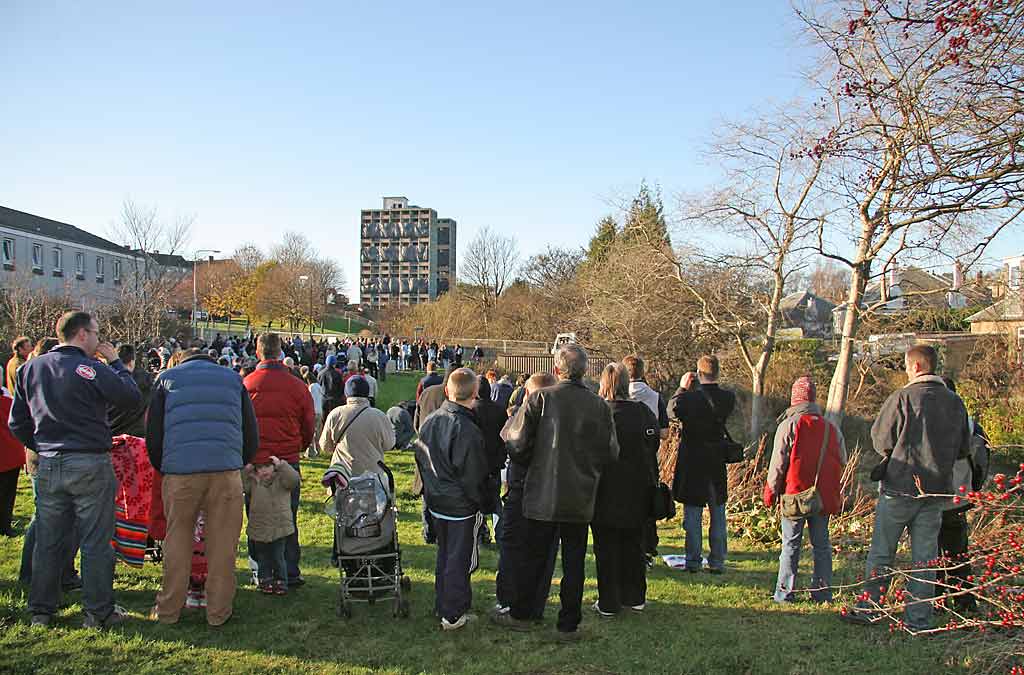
(284, 412)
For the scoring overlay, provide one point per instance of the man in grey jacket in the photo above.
(920, 432)
(565, 436)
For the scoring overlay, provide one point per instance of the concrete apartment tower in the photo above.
(406, 254)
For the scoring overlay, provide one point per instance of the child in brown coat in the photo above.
(269, 488)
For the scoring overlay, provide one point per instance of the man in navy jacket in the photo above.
(60, 411)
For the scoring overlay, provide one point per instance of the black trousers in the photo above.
(953, 545)
(8, 491)
(650, 537)
(456, 560)
(512, 549)
(540, 536)
(621, 567)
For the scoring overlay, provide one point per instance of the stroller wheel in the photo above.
(342, 608)
(401, 607)
(406, 584)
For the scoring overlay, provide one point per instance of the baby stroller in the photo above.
(366, 544)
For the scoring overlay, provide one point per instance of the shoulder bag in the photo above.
(808, 502)
(663, 506)
(731, 451)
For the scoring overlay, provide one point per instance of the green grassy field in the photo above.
(693, 624)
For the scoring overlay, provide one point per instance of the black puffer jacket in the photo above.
(451, 460)
(700, 468)
(624, 492)
(565, 435)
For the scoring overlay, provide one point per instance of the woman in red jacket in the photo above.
(12, 458)
(803, 438)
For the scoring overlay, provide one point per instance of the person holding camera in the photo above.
(702, 412)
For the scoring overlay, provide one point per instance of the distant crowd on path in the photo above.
(213, 439)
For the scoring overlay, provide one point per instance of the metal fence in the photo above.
(532, 363)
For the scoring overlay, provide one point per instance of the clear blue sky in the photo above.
(260, 118)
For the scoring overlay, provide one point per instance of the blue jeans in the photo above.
(923, 518)
(270, 560)
(792, 536)
(28, 549)
(74, 489)
(692, 523)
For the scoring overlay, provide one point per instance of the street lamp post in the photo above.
(195, 293)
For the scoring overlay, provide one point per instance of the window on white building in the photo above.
(99, 269)
(117, 271)
(8, 252)
(58, 259)
(80, 265)
(37, 257)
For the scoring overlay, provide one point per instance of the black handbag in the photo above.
(730, 450)
(662, 504)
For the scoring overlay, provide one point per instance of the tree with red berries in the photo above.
(925, 148)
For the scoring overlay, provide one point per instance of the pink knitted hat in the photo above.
(803, 391)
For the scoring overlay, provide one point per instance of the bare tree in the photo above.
(768, 202)
(554, 268)
(248, 256)
(630, 302)
(488, 266)
(140, 228)
(924, 152)
(27, 309)
(830, 281)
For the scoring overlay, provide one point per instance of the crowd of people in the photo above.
(222, 429)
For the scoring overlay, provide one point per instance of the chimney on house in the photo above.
(958, 276)
(894, 274)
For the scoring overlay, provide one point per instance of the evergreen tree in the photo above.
(645, 221)
(605, 235)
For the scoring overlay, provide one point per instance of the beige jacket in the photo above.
(365, 440)
(270, 504)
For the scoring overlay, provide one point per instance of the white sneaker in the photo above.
(501, 609)
(458, 623)
(601, 612)
(638, 608)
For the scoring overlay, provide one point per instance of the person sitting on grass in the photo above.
(450, 454)
(269, 488)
